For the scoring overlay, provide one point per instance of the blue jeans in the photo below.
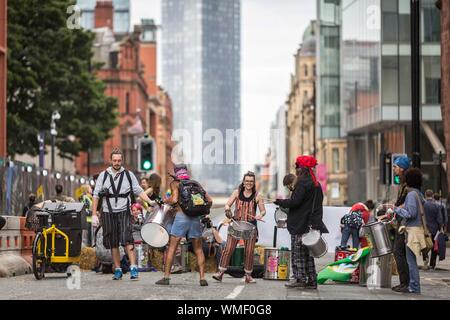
(346, 232)
(414, 277)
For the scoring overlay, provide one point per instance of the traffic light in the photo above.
(395, 180)
(385, 168)
(146, 154)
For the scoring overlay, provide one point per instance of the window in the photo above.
(87, 20)
(390, 27)
(305, 70)
(389, 76)
(113, 59)
(121, 21)
(404, 28)
(127, 103)
(431, 24)
(314, 70)
(432, 80)
(335, 156)
(404, 81)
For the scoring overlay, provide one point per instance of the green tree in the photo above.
(49, 68)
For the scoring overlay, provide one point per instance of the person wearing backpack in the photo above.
(352, 221)
(357, 217)
(191, 202)
(246, 201)
(117, 188)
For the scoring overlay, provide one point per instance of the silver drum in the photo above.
(379, 238)
(242, 230)
(315, 243)
(155, 231)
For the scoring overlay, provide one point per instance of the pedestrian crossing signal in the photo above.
(146, 154)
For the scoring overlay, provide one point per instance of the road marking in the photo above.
(235, 292)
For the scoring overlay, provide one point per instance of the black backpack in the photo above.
(192, 198)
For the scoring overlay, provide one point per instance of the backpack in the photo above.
(192, 198)
(353, 219)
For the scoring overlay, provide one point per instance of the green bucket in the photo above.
(237, 259)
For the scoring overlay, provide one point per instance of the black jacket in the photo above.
(300, 205)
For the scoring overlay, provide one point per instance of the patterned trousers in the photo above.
(302, 263)
(249, 248)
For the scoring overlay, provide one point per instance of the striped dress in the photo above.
(245, 210)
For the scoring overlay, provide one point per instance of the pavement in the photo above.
(93, 286)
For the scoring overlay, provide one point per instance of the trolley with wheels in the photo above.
(58, 242)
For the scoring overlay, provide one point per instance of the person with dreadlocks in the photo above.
(246, 201)
(305, 212)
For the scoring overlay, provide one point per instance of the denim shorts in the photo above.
(184, 226)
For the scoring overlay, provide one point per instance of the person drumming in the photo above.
(246, 201)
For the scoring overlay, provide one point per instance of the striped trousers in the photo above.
(303, 266)
(249, 248)
(117, 229)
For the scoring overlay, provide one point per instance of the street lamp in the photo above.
(54, 133)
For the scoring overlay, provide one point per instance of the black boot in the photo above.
(311, 284)
(295, 283)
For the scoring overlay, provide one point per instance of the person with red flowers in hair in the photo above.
(305, 213)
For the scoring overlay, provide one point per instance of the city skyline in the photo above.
(265, 80)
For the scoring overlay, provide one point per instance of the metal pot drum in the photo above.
(241, 230)
(155, 231)
(280, 218)
(315, 243)
(379, 237)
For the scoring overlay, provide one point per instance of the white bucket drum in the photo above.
(315, 243)
(155, 230)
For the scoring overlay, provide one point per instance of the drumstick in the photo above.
(254, 217)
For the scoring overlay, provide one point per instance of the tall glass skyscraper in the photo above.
(201, 72)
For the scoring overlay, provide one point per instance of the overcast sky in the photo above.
(271, 33)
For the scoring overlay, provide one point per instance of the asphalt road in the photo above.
(93, 286)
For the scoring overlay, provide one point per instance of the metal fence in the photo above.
(18, 180)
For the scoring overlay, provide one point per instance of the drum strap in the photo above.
(115, 191)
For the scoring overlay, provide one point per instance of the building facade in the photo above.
(376, 91)
(201, 70)
(3, 74)
(300, 102)
(331, 142)
(122, 73)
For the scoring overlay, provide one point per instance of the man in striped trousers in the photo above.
(117, 187)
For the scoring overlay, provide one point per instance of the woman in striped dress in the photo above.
(246, 201)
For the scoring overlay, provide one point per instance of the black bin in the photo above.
(68, 214)
(75, 241)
